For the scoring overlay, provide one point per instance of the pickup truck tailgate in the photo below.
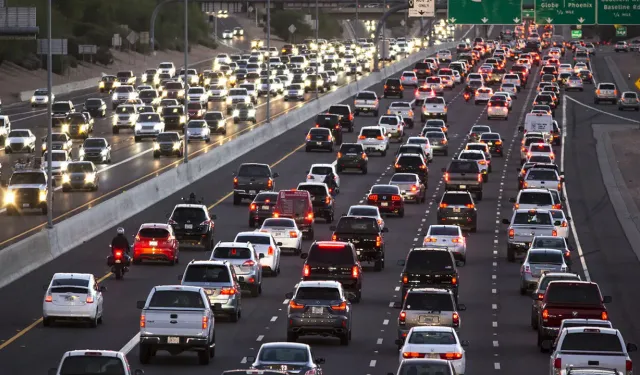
(360, 103)
(617, 360)
(525, 233)
(173, 322)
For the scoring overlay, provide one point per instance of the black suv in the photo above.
(430, 267)
(413, 163)
(96, 107)
(168, 143)
(193, 225)
(412, 149)
(393, 87)
(251, 179)
(458, 208)
(422, 70)
(331, 122)
(313, 80)
(321, 199)
(346, 116)
(352, 155)
(365, 235)
(333, 260)
(262, 207)
(494, 141)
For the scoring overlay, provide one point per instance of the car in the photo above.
(393, 127)
(366, 101)
(403, 110)
(424, 365)
(434, 107)
(606, 91)
(629, 100)
(325, 300)
(476, 132)
(319, 138)
(40, 97)
(536, 262)
(393, 87)
(621, 46)
(442, 272)
(346, 115)
(238, 31)
(413, 163)
(321, 198)
(424, 143)
(367, 211)
(479, 157)
(482, 95)
(216, 122)
(245, 261)
(252, 178)
(267, 248)
(494, 142)
(497, 108)
(540, 288)
(198, 130)
(59, 141)
(80, 175)
(20, 140)
(108, 83)
(438, 342)
(373, 139)
(227, 34)
(73, 296)
(352, 156)
(155, 242)
(411, 186)
(220, 284)
(281, 355)
(262, 207)
(285, 232)
(457, 208)
(409, 78)
(294, 91)
(388, 199)
(192, 225)
(148, 125)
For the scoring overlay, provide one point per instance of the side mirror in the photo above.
(138, 372)
(464, 343)
(557, 223)
(52, 371)
(351, 296)
(385, 230)
(288, 295)
(444, 170)
(279, 243)
(140, 304)
(214, 217)
(462, 307)
(607, 299)
(304, 256)
(333, 227)
(399, 342)
(563, 199)
(53, 182)
(319, 361)
(631, 347)
(241, 278)
(276, 175)
(512, 200)
(520, 128)
(260, 256)
(102, 288)
(506, 222)
(401, 262)
(251, 359)
(568, 218)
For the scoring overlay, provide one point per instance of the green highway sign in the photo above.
(621, 31)
(618, 12)
(576, 34)
(528, 14)
(566, 12)
(484, 12)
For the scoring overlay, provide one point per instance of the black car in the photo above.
(331, 122)
(315, 302)
(321, 199)
(168, 144)
(458, 208)
(251, 179)
(393, 87)
(96, 107)
(422, 70)
(174, 117)
(365, 235)
(429, 267)
(319, 138)
(545, 99)
(411, 149)
(193, 225)
(346, 116)
(352, 156)
(78, 125)
(216, 122)
(262, 207)
(413, 163)
(333, 260)
(315, 82)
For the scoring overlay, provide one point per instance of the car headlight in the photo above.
(229, 100)
(156, 145)
(176, 145)
(44, 146)
(65, 128)
(221, 123)
(89, 177)
(103, 152)
(42, 196)
(101, 85)
(236, 113)
(307, 83)
(114, 97)
(9, 197)
(183, 119)
(65, 178)
(84, 128)
(181, 93)
(252, 112)
(247, 99)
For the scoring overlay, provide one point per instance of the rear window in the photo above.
(422, 368)
(471, 156)
(429, 261)
(538, 198)
(535, 218)
(546, 257)
(444, 231)
(540, 159)
(178, 299)
(429, 302)
(545, 282)
(92, 365)
(434, 100)
(457, 199)
(549, 243)
(231, 253)
(490, 137)
(195, 215)
(393, 82)
(254, 170)
(607, 86)
(331, 255)
(408, 74)
(351, 149)
(340, 110)
(542, 175)
(363, 211)
(168, 137)
(327, 119)
(592, 341)
(206, 273)
(255, 240)
(366, 96)
(422, 65)
(357, 225)
(385, 189)
(529, 141)
(370, 133)
(319, 131)
(464, 167)
(321, 294)
(70, 282)
(579, 294)
(403, 178)
(153, 233)
(314, 190)
(388, 120)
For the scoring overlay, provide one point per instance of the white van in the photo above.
(539, 122)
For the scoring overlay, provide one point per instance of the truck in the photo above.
(591, 347)
(27, 188)
(366, 236)
(177, 318)
(464, 175)
(568, 299)
(525, 224)
(434, 107)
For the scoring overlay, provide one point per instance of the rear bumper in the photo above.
(154, 254)
(319, 144)
(186, 343)
(467, 187)
(318, 326)
(68, 312)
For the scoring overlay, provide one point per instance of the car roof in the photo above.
(281, 344)
(233, 244)
(209, 262)
(85, 352)
(155, 225)
(186, 288)
(254, 233)
(182, 205)
(432, 329)
(66, 275)
(319, 284)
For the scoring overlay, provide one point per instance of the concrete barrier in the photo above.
(46, 245)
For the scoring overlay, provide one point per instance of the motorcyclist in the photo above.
(330, 180)
(121, 242)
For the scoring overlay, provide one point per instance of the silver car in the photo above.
(219, 283)
(245, 261)
(198, 130)
(411, 187)
(629, 100)
(574, 83)
(538, 262)
(606, 92)
(449, 236)
(438, 142)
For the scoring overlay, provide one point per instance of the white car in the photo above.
(319, 172)
(497, 108)
(435, 342)
(424, 143)
(483, 94)
(59, 161)
(217, 93)
(447, 81)
(41, 97)
(73, 296)
(252, 91)
(540, 149)
(444, 55)
(237, 96)
(265, 244)
(167, 68)
(285, 232)
(125, 116)
(20, 140)
(333, 76)
(373, 139)
(367, 211)
(457, 78)
(198, 130)
(222, 59)
(198, 95)
(294, 92)
(276, 86)
(509, 88)
(409, 78)
(449, 236)
(192, 77)
(227, 34)
(434, 107)
(580, 66)
(565, 68)
(285, 79)
(148, 125)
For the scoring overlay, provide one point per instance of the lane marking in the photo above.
(496, 366)
(260, 338)
(372, 363)
(243, 360)
(273, 318)
(385, 322)
(131, 344)
(598, 110)
(379, 342)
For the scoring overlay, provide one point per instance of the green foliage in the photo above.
(282, 19)
(95, 22)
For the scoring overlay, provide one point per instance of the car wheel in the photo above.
(203, 357)
(46, 321)
(479, 196)
(255, 290)
(145, 353)
(401, 213)
(511, 254)
(344, 339)
(236, 199)
(235, 316)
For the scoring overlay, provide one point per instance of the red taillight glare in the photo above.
(306, 271)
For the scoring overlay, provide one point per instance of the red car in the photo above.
(196, 110)
(155, 242)
(387, 198)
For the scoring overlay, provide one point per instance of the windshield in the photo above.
(363, 211)
(409, 160)
(314, 190)
(79, 168)
(357, 225)
(196, 124)
(592, 342)
(126, 109)
(35, 178)
(321, 170)
(285, 355)
(149, 117)
(232, 253)
(153, 233)
(546, 257)
(423, 261)
(238, 92)
(434, 100)
(167, 137)
(266, 198)
(399, 178)
(321, 294)
(371, 133)
(471, 156)
(385, 189)
(177, 299)
(456, 199)
(58, 156)
(92, 365)
(206, 273)
(366, 96)
(535, 218)
(549, 243)
(213, 116)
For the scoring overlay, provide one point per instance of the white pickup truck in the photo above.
(366, 101)
(434, 107)
(524, 225)
(591, 347)
(177, 318)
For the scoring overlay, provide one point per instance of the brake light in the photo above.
(512, 233)
(48, 298)
(525, 184)
(270, 183)
(310, 216)
(559, 186)
(397, 166)
(378, 241)
(528, 154)
(423, 166)
(545, 314)
(604, 315)
(446, 177)
(235, 182)
(351, 116)
(373, 197)
(483, 162)
(362, 137)
(317, 126)
(340, 307)
(479, 177)
(293, 234)
(294, 305)
(380, 138)
(89, 299)
(403, 317)
(334, 237)
(306, 271)
(557, 363)
(451, 356)
(629, 366)
(170, 222)
(227, 291)
(249, 263)
(276, 215)
(329, 137)
(143, 321)
(412, 355)
(118, 254)
(385, 87)
(355, 272)
(364, 155)
(253, 207)
(396, 198)
(554, 233)
(327, 200)
(457, 240)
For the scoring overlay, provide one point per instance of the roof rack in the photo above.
(29, 163)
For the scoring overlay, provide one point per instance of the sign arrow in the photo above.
(516, 20)
(484, 20)
(581, 20)
(421, 12)
(452, 20)
(549, 19)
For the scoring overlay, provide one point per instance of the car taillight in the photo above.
(479, 177)
(446, 177)
(269, 183)
(396, 198)
(372, 197)
(118, 254)
(443, 205)
(253, 207)
(629, 366)
(308, 137)
(378, 241)
(364, 156)
(235, 182)
(458, 240)
(554, 233)
(403, 317)
(557, 363)
(362, 137)
(559, 186)
(340, 307)
(423, 166)
(306, 270)
(482, 162)
(334, 237)
(249, 263)
(355, 272)
(604, 315)
(275, 214)
(309, 216)
(48, 298)
(205, 322)
(270, 251)
(526, 269)
(205, 223)
(545, 314)
(327, 200)
(351, 116)
(293, 234)
(451, 356)
(512, 233)
(454, 280)
(227, 291)
(380, 138)
(294, 305)
(385, 87)
(143, 321)
(525, 185)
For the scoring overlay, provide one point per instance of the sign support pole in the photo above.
(49, 120)
(186, 80)
(268, 63)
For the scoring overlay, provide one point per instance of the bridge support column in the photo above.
(152, 26)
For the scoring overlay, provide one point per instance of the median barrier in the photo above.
(32, 252)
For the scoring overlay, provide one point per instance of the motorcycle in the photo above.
(119, 262)
(467, 96)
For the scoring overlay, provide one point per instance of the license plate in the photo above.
(265, 207)
(173, 340)
(153, 243)
(252, 191)
(188, 226)
(432, 355)
(317, 310)
(428, 319)
(490, 143)
(319, 143)
(456, 209)
(118, 261)
(463, 186)
(70, 298)
(384, 204)
(278, 234)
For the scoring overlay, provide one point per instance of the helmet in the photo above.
(120, 230)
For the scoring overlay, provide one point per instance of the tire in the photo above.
(401, 213)
(365, 171)
(235, 316)
(252, 223)
(118, 272)
(378, 265)
(136, 139)
(534, 321)
(292, 337)
(145, 354)
(485, 178)
(47, 322)
(474, 229)
(255, 291)
(383, 153)
(511, 254)
(156, 155)
(523, 291)
(236, 199)
(344, 339)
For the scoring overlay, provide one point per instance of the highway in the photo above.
(496, 321)
(132, 163)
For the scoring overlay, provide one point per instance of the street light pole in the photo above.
(355, 31)
(186, 80)
(317, 45)
(49, 119)
(268, 61)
